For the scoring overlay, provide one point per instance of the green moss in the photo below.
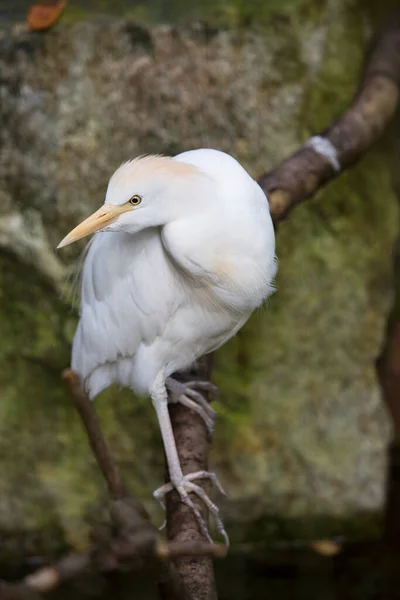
(222, 13)
(336, 86)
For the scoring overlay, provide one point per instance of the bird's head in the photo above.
(146, 192)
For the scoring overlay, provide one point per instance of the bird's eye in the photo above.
(135, 200)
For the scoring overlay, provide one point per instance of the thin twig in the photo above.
(109, 558)
(116, 486)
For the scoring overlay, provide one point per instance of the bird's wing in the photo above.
(130, 290)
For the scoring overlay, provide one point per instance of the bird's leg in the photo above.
(183, 484)
(186, 394)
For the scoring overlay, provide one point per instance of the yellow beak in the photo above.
(98, 220)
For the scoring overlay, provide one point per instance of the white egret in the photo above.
(185, 252)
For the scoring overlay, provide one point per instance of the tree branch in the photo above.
(304, 173)
(182, 526)
(85, 408)
(109, 558)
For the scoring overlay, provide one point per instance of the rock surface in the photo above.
(301, 433)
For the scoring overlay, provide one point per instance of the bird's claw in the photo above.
(187, 394)
(186, 486)
(205, 386)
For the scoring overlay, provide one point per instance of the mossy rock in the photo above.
(301, 432)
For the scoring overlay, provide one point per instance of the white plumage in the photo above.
(169, 277)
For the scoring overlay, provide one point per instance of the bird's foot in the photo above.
(187, 394)
(184, 487)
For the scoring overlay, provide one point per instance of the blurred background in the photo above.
(302, 432)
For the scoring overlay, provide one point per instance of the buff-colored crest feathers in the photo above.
(148, 166)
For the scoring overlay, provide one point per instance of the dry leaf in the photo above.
(42, 16)
(326, 547)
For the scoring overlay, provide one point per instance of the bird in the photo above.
(183, 252)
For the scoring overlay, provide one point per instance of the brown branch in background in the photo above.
(109, 558)
(301, 175)
(85, 408)
(388, 370)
